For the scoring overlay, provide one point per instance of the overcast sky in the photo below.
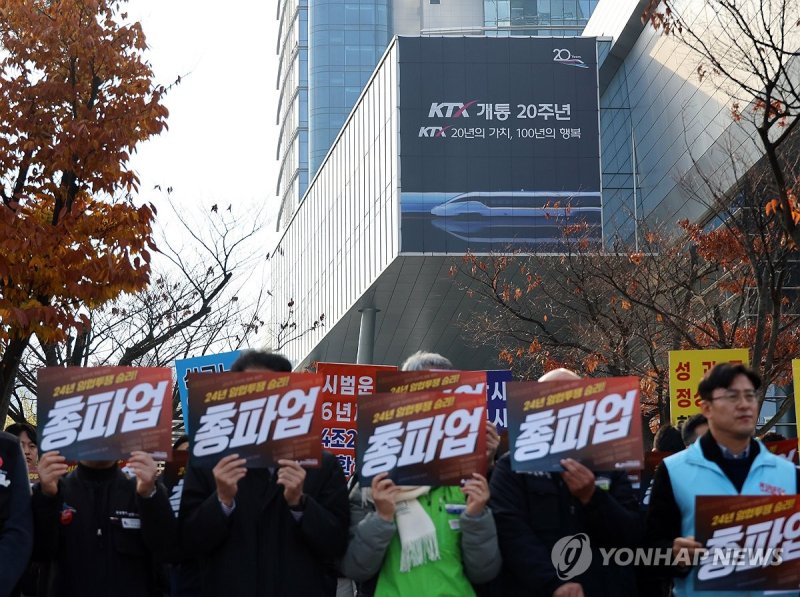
(220, 146)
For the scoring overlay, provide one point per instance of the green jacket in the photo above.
(468, 547)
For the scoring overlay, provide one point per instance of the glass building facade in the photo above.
(537, 17)
(341, 255)
(347, 38)
(292, 84)
(349, 219)
(328, 49)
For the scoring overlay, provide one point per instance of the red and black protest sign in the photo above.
(459, 382)
(338, 408)
(752, 543)
(595, 421)
(174, 472)
(652, 460)
(786, 448)
(262, 416)
(423, 438)
(105, 413)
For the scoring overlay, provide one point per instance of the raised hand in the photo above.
(52, 466)
(227, 473)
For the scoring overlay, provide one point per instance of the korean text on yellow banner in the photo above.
(687, 368)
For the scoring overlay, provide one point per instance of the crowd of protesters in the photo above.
(288, 530)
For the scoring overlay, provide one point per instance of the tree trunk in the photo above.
(9, 365)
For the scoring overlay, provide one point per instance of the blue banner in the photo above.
(496, 397)
(210, 363)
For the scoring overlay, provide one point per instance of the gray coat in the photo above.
(370, 536)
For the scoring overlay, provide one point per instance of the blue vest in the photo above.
(691, 474)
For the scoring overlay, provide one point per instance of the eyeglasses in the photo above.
(733, 396)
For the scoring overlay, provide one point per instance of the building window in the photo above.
(435, 2)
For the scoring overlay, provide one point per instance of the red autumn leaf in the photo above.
(77, 97)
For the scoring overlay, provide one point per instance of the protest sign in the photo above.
(422, 438)
(796, 379)
(652, 460)
(753, 542)
(496, 397)
(594, 421)
(174, 472)
(786, 448)
(209, 363)
(338, 409)
(460, 382)
(260, 415)
(686, 370)
(105, 413)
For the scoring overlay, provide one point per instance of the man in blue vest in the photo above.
(724, 461)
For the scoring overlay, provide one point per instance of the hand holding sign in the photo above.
(683, 548)
(292, 476)
(145, 470)
(227, 473)
(492, 442)
(52, 466)
(579, 480)
(384, 494)
(477, 492)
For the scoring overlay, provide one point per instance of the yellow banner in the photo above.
(687, 368)
(796, 375)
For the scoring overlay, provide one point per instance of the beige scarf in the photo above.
(417, 532)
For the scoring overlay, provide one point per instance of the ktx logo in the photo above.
(449, 109)
(433, 131)
(564, 56)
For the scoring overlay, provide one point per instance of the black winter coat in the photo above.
(16, 525)
(534, 511)
(100, 536)
(260, 550)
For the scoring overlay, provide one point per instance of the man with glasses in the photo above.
(724, 461)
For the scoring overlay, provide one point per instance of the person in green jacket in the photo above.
(420, 541)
